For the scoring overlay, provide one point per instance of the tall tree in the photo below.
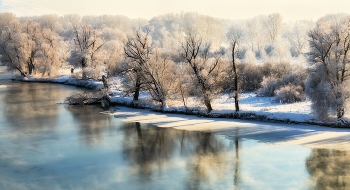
(153, 70)
(327, 84)
(13, 48)
(34, 38)
(273, 26)
(87, 52)
(137, 50)
(235, 38)
(24, 47)
(203, 69)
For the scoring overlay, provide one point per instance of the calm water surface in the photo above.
(47, 145)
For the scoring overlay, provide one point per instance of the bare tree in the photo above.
(151, 69)
(234, 37)
(137, 50)
(203, 69)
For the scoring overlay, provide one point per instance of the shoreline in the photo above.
(241, 115)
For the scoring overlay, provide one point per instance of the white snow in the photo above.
(223, 104)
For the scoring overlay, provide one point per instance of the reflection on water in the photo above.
(329, 168)
(91, 124)
(45, 145)
(150, 149)
(31, 107)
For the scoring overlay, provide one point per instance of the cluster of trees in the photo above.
(175, 56)
(28, 49)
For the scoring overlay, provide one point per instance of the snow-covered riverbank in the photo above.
(252, 107)
(276, 134)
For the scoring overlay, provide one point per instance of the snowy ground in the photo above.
(223, 105)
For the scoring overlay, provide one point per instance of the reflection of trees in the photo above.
(236, 175)
(91, 122)
(329, 168)
(31, 106)
(208, 162)
(148, 148)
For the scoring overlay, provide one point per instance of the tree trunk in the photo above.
(235, 95)
(340, 113)
(22, 73)
(30, 66)
(105, 82)
(84, 74)
(164, 105)
(83, 66)
(137, 88)
(30, 70)
(207, 102)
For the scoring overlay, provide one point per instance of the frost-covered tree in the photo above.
(281, 50)
(49, 61)
(28, 49)
(48, 21)
(159, 76)
(13, 48)
(273, 26)
(255, 33)
(169, 29)
(87, 52)
(153, 71)
(327, 85)
(5, 19)
(298, 37)
(34, 39)
(42, 49)
(63, 52)
(204, 70)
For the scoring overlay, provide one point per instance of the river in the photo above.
(45, 144)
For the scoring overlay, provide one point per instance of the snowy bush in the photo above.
(250, 77)
(269, 85)
(94, 73)
(277, 69)
(294, 79)
(289, 94)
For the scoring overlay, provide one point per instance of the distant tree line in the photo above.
(177, 56)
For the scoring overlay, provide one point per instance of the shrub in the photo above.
(250, 77)
(277, 69)
(269, 85)
(289, 94)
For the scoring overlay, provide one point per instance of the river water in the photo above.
(48, 145)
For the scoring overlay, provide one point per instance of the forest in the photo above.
(177, 56)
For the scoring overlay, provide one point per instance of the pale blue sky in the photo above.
(233, 9)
